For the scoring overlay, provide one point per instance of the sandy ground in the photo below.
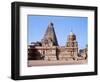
(47, 63)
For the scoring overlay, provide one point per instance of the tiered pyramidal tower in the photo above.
(50, 36)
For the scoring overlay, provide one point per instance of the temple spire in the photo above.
(50, 34)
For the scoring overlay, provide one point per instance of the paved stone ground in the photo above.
(49, 63)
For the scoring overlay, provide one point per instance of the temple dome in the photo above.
(72, 36)
(71, 33)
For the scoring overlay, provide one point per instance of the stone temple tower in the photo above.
(72, 45)
(49, 43)
(50, 38)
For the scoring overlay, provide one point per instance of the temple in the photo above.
(48, 48)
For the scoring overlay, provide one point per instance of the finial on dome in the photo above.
(50, 23)
(71, 33)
